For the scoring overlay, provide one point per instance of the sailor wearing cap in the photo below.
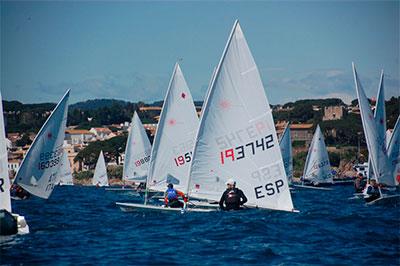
(233, 198)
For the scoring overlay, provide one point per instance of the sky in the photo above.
(127, 50)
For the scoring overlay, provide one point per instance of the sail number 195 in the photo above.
(182, 159)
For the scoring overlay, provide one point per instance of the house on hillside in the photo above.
(333, 113)
(78, 136)
(102, 133)
(301, 134)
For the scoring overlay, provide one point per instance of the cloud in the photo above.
(130, 87)
(280, 85)
(325, 83)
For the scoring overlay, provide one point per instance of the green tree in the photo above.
(24, 140)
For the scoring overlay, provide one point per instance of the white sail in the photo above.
(285, 144)
(100, 177)
(5, 202)
(389, 135)
(38, 173)
(137, 152)
(65, 171)
(173, 144)
(376, 146)
(394, 151)
(380, 112)
(317, 168)
(380, 119)
(237, 138)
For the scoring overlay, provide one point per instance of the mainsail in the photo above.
(380, 120)
(376, 145)
(285, 144)
(5, 202)
(173, 144)
(38, 173)
(137, 152)
(380, 112)
(394, 152)
(237, 137)
(317, 168)
(65, 171)
(100, 177)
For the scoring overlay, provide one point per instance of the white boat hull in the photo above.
(23, 227)
(129, 207)
(120, 189)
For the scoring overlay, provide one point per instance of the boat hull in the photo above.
(130, 207)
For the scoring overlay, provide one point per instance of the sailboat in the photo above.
(236, 137)
(100, 178)
(10, 223)
(285, 144)
(137, 152)
(171, 153)
(66, 178)
(137, 155)
(380, 120)
(394, 151)
(317, 169)
(379, 158)
(39, 170)
(173, 143)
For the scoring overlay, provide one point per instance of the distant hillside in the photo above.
(93, 113)
(18, 106)
(318, 102)
(96, 104)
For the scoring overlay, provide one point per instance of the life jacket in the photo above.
(172, 194)
(232, 197)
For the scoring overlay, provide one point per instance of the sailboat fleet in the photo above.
(383, 156)
(235, 138)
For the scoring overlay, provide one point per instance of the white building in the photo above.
(102, 133)
(78, 136)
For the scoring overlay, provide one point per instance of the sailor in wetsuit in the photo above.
(232, 197)
(359, 183)
(171, 197)
(17, 191)
(373, 191)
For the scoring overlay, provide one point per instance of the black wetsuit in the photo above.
(359, 185)
(233, 199)
(373, 193)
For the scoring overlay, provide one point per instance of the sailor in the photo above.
(359, 183)
(373, 192)
(141, 186)
(17, 191)
(171, 197)
(232, 197)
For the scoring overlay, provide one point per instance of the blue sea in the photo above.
(82, 225)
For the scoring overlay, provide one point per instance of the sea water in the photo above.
(82, 225)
